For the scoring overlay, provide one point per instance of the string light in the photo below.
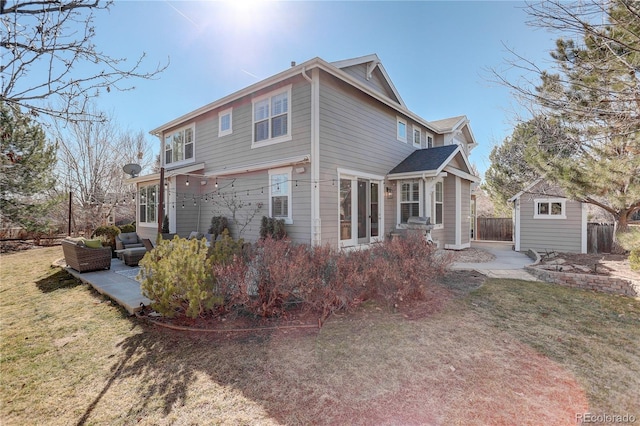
(187, 183)
(216, 182)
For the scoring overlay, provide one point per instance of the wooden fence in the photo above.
(599, 237)
(494, 229)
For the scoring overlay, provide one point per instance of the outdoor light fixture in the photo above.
(388, 193)
(187, 183)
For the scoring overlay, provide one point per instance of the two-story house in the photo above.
(331, 148)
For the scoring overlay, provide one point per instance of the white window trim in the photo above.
(419, 144)
(281, 171)
(221, 114)
(399, 202)
(426, 140)
(562, 201)
(434, 202)
(139, 199)
(164, 147)
(279, 139)
(403, 121)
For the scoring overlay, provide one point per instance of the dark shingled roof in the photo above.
(424, 160)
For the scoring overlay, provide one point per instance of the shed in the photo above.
(545, 219)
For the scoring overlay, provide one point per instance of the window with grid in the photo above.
(178, 146)
(271, 117)
(438, 204)
(550, 209)
(417, 137)
(280, 194)
(409, 200)
(148, 204)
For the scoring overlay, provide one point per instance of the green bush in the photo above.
(218, 225)
(226, 249)
(130, 227)
(272, 228)
(109, 233)
(634, 259)
(178, 277)
(165, 225)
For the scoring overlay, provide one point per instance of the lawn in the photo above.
(508, 352)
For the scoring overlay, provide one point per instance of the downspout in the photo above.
(316, 237)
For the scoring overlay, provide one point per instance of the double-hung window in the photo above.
(148, 204)
(409, 200)
(272, 118)
(417, 137)
(224, 122)
(178, 146)
(550, 208)
(438, 203)
(280, 194)
(429, 141)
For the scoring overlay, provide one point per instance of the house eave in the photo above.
(289, 73)
(184, 170)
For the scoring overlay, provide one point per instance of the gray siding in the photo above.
(550, 234)
(449, 208)
(377, 81)
(359, 134)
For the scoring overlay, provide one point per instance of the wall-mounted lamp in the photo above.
(388, 193)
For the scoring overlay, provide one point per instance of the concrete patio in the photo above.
(118, 284)
(507, 264)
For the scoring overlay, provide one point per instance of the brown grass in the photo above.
(70, 357)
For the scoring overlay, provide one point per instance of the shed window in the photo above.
(550, 208)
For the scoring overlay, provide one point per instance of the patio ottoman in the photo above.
(132, 256)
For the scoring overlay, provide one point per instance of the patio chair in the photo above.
(83, 258)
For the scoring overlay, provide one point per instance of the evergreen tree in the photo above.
(26, 177)
(593, 95)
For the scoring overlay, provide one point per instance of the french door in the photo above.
(360, 211)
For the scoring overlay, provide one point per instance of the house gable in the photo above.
(433, 161)
(369, 71)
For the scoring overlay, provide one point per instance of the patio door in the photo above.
(360, 211)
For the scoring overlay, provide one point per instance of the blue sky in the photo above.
(436, 53)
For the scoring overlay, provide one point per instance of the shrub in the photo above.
(272, 228)
(109, 233)
(178, 277)
(226, 250)
(634, 259)
(130, 227)
(218, 225)
(165, 225)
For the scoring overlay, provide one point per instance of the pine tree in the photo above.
(593, 96)
(26, 177)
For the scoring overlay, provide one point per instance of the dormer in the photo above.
(456, 131)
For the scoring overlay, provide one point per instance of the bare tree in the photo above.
(44, 43)
(591, 93)
(90, 160)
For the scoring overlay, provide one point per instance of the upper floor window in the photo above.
(409, 200)
(401, 130)
(272, 118)
(429, 141)
(550, 208)
(148, 204)
(417, 137)
(280, 194)
(224, 122)
(178, 146)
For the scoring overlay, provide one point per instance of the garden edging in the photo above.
(600, 283)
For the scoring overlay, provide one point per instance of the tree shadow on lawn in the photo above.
(367, 367)
(57, 280)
